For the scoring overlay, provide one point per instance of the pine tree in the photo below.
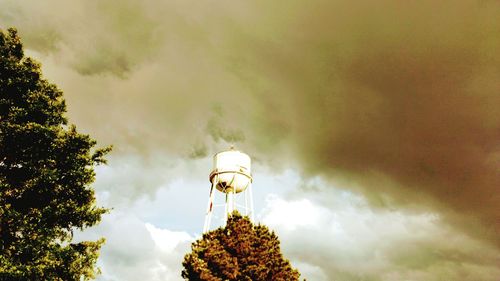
(46, 168)
(239, 251)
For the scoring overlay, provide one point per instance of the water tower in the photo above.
(231, 176)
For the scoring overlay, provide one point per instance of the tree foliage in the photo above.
(239, 251)
(46, 168)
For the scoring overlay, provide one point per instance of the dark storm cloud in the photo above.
(102, 36)
(219, 131)
(401, 98)
(398, 99)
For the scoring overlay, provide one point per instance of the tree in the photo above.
(240, 251)
(46, 168)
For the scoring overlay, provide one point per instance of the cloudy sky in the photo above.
(374, 126)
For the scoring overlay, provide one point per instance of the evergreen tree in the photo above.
(239, 251)
(46, 168)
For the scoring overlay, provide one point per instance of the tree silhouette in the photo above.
(239, 251)
(46, 168)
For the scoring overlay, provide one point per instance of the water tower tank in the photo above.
(231, 171)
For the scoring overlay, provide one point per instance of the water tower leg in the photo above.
(233, 201)
(229, 205)
(226, 209)
(208, 216)
(247, 207)
(250, 197)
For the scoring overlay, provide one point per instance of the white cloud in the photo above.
(137, 250)
(313, 272)
(349, 241)
(292, 214)
(165, 239)
(327, 234)
(148, 233)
